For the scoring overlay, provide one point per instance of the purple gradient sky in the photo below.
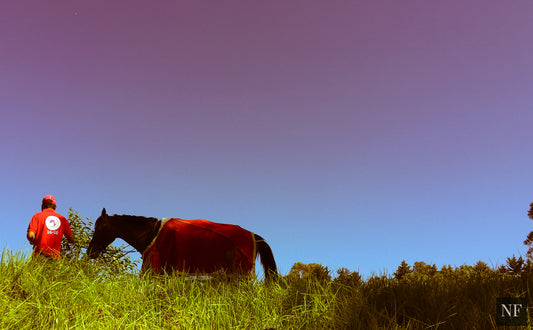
(348, 133)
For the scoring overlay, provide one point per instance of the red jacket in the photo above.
(49, 228)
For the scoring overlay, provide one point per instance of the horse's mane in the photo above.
(135, 217)
(136, 220)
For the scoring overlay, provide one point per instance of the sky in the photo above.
(353, 134)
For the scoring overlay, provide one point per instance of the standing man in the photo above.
(47, 228)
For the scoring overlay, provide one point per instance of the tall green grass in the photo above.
(72, 294)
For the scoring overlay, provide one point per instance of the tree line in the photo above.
(116, 259)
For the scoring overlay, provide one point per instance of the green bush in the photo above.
(114, 259)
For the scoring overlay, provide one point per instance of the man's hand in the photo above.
(70, 239)
(31, 237)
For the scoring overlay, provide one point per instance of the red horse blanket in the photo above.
(200, 246)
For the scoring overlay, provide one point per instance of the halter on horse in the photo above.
(189, 246)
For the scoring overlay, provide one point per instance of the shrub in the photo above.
(114, 259)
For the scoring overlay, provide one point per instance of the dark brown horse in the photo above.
(188, 246)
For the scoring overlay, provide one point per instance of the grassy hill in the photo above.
(76, 294)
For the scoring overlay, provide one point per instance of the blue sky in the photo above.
(350, 134)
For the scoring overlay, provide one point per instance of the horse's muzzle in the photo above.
(93, 253)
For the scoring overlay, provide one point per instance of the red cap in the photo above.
(49, 199)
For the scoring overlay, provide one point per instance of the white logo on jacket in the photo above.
(52, 222)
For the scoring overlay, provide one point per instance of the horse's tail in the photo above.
(267, 257)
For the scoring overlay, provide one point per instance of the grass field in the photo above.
(75, 294)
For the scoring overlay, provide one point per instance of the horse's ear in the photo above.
(104, 212)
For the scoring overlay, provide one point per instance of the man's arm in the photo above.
(70, 238)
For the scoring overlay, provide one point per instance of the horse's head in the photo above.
(104, 234)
